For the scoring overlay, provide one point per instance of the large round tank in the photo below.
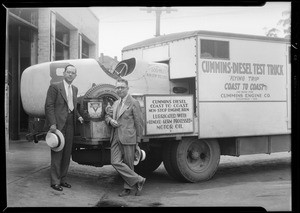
(35, 81)
(144, 77)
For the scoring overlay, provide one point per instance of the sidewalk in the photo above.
(28, 179)
(25, 158)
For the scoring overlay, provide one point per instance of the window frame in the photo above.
(62, 40)
(212, 55)
(83, 46)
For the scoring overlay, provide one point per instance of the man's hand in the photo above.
(114, 123)
(109, 110)
(53, 128)
(80, 119)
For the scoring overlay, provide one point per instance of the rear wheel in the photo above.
(169, 159)
(193, 160)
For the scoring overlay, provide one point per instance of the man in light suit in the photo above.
(127, 123)
(61, 113)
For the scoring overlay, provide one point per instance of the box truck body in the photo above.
(242, 82)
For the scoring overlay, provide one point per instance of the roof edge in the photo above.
(186, 34)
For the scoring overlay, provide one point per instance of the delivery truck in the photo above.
(203, 94)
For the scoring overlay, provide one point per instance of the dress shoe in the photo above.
(139, 187)
(57, 187)
(125, 192)
(65, 185)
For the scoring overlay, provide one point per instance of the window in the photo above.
(29, 15)
(214, 49)
(62, 42)
(85, 49)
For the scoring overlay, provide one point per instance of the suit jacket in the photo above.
(56, 106)
(130, 120)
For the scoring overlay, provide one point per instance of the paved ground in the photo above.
(257, 180)
(28, 180)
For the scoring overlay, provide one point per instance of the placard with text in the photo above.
(169, 114)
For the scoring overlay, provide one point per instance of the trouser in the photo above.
(122, 158)
(60, 161)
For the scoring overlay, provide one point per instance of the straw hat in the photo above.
(55, 140)
(139, 155)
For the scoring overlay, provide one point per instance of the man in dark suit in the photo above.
(61, 113)
(127, 123)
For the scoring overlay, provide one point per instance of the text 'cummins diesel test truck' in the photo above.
(203, 94)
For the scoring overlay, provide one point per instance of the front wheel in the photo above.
(195, 160)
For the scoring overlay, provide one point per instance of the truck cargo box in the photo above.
(242, 81)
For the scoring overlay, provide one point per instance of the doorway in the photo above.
(22, 40)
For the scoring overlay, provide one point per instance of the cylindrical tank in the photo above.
(144, 77)
(35, 81)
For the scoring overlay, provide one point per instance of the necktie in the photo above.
(70, 98)
(119, 108)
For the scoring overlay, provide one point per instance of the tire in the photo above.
(152, 161)
(106, 92)
(101, 89)
(169, 159)
(194, 160)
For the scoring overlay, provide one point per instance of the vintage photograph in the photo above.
(135, 106)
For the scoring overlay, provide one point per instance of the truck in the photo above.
(203, 94)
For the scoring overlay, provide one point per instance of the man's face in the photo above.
(122, 89)
(70, 74)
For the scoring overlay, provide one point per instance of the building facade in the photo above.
(37, 35)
